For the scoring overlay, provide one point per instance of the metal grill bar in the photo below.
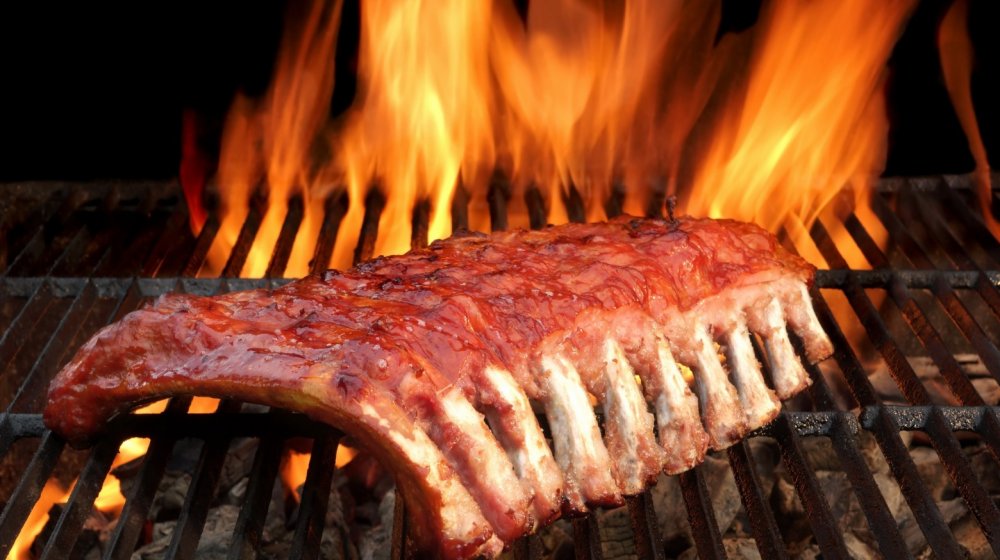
(315, 494)
(762, 523)
(204, 479)
(28, 490)
(250, 523)
(70, 524)
(135, 512)
(68, 236)
(704, 527)
(201, 247)
(335, 208)
(244, 241)
(286, 238)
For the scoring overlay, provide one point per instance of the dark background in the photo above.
(92, 90)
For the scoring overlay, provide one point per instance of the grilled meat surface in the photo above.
(437, 360)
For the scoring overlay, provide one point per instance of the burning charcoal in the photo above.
(170, 496)
(279, 531)
(556, 541)
(963, 525)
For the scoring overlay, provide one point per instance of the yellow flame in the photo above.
(269, 144)
(53, 493)
(955, 49)
(295, 467)
(762, 125)
(421, 117)
(811, 121)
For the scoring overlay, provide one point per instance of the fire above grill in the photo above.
(890, 451)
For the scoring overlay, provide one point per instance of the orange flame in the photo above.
(955, 49)
(413, 132)
(811, 121)
(295, 466)
(765, 125)
(270, 143)
(53, 493)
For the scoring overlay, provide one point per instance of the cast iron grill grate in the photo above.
(77, 257)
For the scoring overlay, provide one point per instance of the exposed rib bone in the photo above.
(462, 435)
(580, 452)
(801, 316)
(721, 413)
(628, 425)
(759, 402)
(516, 426)
(787, 372)
(677, 418)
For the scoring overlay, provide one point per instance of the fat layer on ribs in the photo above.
(438, 360)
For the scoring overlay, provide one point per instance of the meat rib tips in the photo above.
(437, 360)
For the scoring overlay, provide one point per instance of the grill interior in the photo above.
(76, 257)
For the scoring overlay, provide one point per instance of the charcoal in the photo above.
(279, 531)
(741, 548)
(215, 538)
(376, 543)
(238, 464)
(617, 539)
(932, 472)
(668, 501)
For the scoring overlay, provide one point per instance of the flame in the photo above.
(110, 500)
(955, 49)
(412, 133)
(295, 466)
(812, 118)
(53, 493)
(637, 99)
(270, 143)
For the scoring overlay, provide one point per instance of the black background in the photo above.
(93, 90)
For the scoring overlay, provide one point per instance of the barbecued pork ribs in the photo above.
(437, 361)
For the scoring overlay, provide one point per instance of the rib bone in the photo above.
(461, 434)
(759, 402)
(724, 420)
(580, 452)
(677, 419)
(801, 317)
(516, 426)
(628, 424)
(786, 371)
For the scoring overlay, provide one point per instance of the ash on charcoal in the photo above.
(962, 524)
(671, 514)
(737, 548)
(617, 538)
(214, 542)
(376, 543)
(336, 540)
(176, 480)
(930, 374)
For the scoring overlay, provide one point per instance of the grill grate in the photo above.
(78, 257)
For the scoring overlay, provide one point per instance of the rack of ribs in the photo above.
(441, 361)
